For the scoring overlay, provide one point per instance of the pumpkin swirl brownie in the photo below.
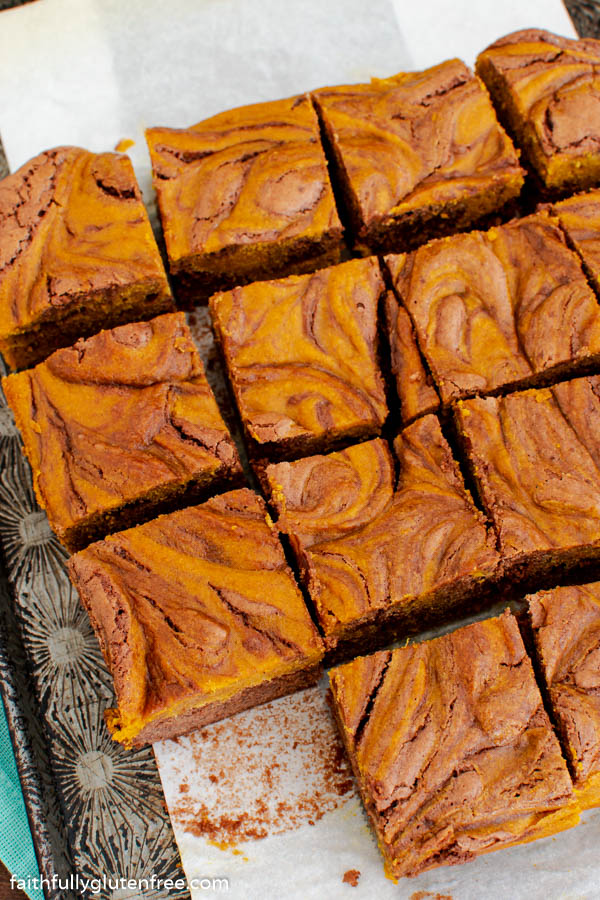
(198, 617)
(535, 458)
(506, 308)
(579, 217)
(302, 357)
(418, 155)
(546, 90)
(380, 555)
(77, 253)
(119, 424)
(452, 748)
(566, 628)
(245, 196)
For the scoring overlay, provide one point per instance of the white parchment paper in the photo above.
(94, 72)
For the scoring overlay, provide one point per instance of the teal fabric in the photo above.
(16, 845)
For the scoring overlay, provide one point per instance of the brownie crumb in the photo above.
(351, 877)
(429, 895)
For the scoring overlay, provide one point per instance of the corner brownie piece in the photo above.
(452, 748)
(418, 155)
(414, 385)
(507, 308)
(380, 555)
(77, 253)
(245, 196)
(119, 424)
(198, 617)
(302, 357)
(579, 217)
(535, 458)
(546, 90)
(566, 628)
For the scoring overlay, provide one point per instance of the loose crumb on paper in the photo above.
(264, 772)
(351, 877)
(124, 145)
(429, 895)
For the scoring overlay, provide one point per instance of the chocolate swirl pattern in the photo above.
(486, 307)
(535, 459)
(426, 142)
(453, 751)
(241, 181)
(196, 613)
(123, 416)
(359, 560)
(547, 88)
(74, 229)
(566, 625)
(301, 354)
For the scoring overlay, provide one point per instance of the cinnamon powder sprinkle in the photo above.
(429, 895)
(264, 772)
(351, 877)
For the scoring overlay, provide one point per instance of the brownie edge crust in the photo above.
(198, 617)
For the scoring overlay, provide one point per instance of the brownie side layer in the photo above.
(452, 748)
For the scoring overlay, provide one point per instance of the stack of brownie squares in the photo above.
(411, 344)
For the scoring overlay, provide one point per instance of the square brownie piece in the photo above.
(452, 748)
(566, 628)
(198, 617)
(302, 357)
(245, 196)
(535, 458)
(77, 253)
(503, 309)
(417, 155)
(546, 89)
(118, 425)
(415, 388)
(579, 217)
(380, 555)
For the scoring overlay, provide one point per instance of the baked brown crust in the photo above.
(77, 252)
(535, 458)
(546, 88)
(452, 747)
(123, 417)
(414, 385)
(487, 308)
(376, 555)
(245, 195)
(302, 358)
(566, 627)
(191, 610)
(418, 150)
